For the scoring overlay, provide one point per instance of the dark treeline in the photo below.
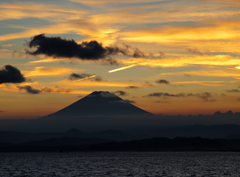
(69, 144)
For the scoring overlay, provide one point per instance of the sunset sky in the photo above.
(175, 56)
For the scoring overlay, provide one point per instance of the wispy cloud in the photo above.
(31, 90)
(215, 73)
(125, 101)
(161, 94)
(88, 83)
(132, 87)
(120, 93)
(37, 10)
(206, 83)
(206, 96)
(194, 51)
(162, 81)
(48, 71)
(233, 90)
(214, 60)
(103, 2)
(84, 76)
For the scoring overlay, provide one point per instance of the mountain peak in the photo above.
(102, 94)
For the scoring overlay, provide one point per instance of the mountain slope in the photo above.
(99, 104)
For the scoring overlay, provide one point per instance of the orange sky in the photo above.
(189, 62)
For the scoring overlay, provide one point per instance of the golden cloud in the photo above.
(215, 73)
(216, 60)
(48, 71)
(5, 53)
(206, 83)
(26, 10)
(103, 2)
(175, 34)
(236, 2)
(101, 33)
(47, 60)
(87, 83)
(48, 89)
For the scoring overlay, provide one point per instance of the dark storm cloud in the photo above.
(194, 51)
(1, 111)
(29, 89)
(75, 76)
(132, 87)
(10, 74)
(120, 92)
(233, 90)
(61, 48)
(162, 81)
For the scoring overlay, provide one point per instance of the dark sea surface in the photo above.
(139, 164)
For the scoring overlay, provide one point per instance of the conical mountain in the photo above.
(99, 104)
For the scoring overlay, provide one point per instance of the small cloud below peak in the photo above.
(120, 93)
(162, 81)
(132, 87)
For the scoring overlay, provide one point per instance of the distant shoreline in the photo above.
(158, 144)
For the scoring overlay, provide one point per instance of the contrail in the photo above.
(122, 68)
(85, 78)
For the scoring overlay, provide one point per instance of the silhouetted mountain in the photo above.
(98, 104)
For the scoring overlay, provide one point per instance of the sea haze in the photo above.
(135, 164)
(102, 110)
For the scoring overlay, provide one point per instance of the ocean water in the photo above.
(137, 164)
